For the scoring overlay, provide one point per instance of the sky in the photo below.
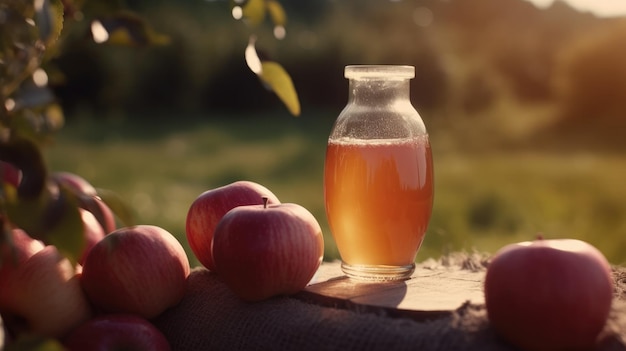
(603, 8)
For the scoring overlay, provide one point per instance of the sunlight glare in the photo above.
(9, 104)
(99, 33)
(40, 77)
(237, 12)
(280, 32)
(601, 8)
(252, 58)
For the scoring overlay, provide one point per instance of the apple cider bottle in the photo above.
(378, 175)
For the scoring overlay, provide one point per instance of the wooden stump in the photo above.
(432, 291)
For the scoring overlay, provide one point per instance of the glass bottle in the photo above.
(378, 175)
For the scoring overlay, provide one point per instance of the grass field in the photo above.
(483, 200)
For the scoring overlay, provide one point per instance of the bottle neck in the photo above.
(379, 92)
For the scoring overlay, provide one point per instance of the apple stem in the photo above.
(265, 199)
(539, 236)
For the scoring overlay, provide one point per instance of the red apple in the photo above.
(9, 174)
(88, 198)
(75, 183)
(549, 294)
(207, 210)
(18, 248)
(92, 231)
(43, 295)
(140, 270)
(100, 210)
(262, 251)
(117, 332)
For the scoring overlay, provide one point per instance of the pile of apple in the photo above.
(124, 277)
(549, 294)
(259, 246)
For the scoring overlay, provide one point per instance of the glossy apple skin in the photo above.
(549, 294)
(43, 295)
(92, 231)
(100, 210)
(208, 208)
(141, 270)
(16, 251)
(74, 182)
(116, 332)
(262, 252)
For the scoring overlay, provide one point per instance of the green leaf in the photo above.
(64, 226)
(254, 12)
(275, 76)
(27, 157)
(277, 13)
(25, 213)
(31, 95)
(49, 19)
(115, 202)
(53, 117)
(52, 217)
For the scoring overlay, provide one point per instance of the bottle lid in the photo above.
(379, 71)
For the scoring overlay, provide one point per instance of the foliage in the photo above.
(591, 79)
(468, 57)
(31, 34)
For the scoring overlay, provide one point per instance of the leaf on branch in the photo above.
(126, 29)
(64, 226)
(277, 13)
(250, 11)
(49, 19)
(274, 77)
(34, 113)
(279, 17)
(32, 95)
(253, 12)
(26, 156)
(53, 218)
(121, 209)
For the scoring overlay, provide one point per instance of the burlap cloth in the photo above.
(210, 317)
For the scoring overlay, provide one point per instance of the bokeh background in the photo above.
(525, 106)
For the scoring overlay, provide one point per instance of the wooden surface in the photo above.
(433, 291)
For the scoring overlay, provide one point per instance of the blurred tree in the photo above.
(31, 34)
(590, 81)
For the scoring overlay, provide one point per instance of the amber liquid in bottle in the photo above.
(379, 198)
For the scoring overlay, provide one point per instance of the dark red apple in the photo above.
(211, 206)
(103, 213)
(75, 183)
(92, 231)
(140, 270)
(10, 174)
(116, 332)
(43, 295)
(262, 251)
(549, 294)
(16, 250)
